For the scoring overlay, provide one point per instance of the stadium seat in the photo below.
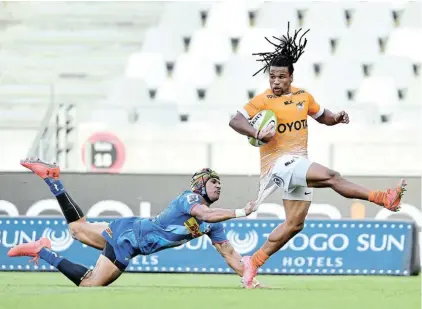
(241, 68)
(401, 42)
(377, 14)
(183, 17)
(230, 17)
(254, 41)
(327, 94)
(413, 96)
(407, 114)
(337, 84)
(198, 71)
(261, 85)
(178, 92)
(363, 113)
(204, 113)
(226, 92)
(194, 132)
(128, 92)
(211, 44)
(24, 34)
(319, 47)
(277, 15)
(381, 91)
(399, 68)
(361, 46)
(77, 66)
(342, 73)
(165, 41)
(86, 12)
(147, 66)
(303, 74)
(411, 16)
(105, 59)
(315, 17)
(160, 113)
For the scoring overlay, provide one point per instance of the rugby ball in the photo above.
(261, 121)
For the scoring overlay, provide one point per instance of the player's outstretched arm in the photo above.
(233, 258)
(212, 215)
(329, 118)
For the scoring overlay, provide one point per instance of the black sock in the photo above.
(74, 272)
(71, 210)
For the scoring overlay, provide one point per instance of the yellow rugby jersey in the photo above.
(291, 111)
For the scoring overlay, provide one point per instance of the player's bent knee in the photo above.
(327, 178)
(319, 176)
(77, 229)
(333, 178)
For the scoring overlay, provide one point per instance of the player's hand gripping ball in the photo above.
(266, 124)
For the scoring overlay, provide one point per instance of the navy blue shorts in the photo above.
(121, 245)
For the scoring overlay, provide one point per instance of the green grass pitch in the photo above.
(163, 291)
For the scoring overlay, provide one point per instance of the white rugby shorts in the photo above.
(288, 174)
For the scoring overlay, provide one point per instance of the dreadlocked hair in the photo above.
(286, 53)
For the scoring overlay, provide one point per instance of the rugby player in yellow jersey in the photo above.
(284, 160)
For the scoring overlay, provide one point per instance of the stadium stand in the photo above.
(166, 78)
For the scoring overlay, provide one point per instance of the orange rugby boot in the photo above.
(391, 198)
(41, 168)
(30, 249)
(249, 272)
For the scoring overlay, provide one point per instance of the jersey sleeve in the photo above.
(253, 107)
(217, 233)
(314, 109)
(189, 201)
